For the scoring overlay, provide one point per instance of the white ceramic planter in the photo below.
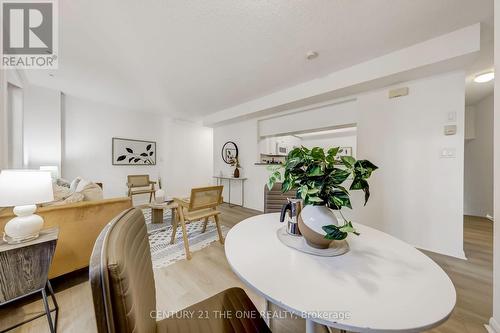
(311, 222)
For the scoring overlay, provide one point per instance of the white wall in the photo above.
(3, 120)
(478, 179)
(416, 195)
(42, 126)
(88, 130)
(245, 135)
(15, 127)
(184, 151)
(188, 160)
(495, 320)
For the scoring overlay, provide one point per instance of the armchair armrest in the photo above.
(183, 202)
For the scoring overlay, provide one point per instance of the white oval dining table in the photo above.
(381, 285)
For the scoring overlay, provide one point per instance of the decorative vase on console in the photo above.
(320, 180)
(236, 164)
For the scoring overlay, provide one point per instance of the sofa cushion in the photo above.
(73, 198)
(92, 192)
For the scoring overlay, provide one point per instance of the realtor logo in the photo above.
(29, 38)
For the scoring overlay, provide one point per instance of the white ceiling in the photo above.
(192, 58)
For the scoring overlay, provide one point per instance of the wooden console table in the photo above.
(220, 179)
(24, 270)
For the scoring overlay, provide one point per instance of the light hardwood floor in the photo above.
(185, 283)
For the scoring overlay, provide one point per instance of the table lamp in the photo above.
(24, 189)
(54, 170)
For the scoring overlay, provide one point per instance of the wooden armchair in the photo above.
(202, 205)
(140, 184)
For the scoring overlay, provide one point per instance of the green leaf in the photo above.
(348, 161)
(303, 192)
(318, 154)
(292, 162)
(270, 183)
(339, 199)
(333, 232)
(315, 171)
(361, 184)
(313, 191)
(339, 176)
(314, 199)
(333, 151)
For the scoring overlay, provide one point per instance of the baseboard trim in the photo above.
(493, 326)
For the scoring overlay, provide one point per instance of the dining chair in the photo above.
(274, 199)
(140, 184)
(201, 205)
(124, 295)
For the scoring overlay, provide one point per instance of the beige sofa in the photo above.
(79, 225)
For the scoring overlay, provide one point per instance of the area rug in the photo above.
(163, 253)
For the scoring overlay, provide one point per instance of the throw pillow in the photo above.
(63, 182)
(82, 184)
(60, 192)
(92, 192)
(74, 184)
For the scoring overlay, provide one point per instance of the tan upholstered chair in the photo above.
(123, 289)
(202, 205)
(140, 184)
(274, 199)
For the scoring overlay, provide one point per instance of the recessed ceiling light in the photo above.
(484, 77)
(311, 55)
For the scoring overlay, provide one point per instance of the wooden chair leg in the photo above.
(219, 230)
(205, 222)
(185, 238)
(175, 223)
(150, 197)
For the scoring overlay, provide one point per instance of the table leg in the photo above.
(47, 310)
(56, 306)
(267, 317)
(310, 326)
(229, 199)
(242, 193)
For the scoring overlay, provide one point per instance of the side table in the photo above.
(157, 211)
(24, 270)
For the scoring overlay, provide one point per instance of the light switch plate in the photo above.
(448, 153)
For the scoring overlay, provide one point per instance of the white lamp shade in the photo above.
(25, 187)
(54, 170)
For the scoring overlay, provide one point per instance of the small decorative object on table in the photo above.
(24, 189)
(320, 183)
(236, 163)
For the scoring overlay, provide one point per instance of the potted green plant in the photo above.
(320, 179)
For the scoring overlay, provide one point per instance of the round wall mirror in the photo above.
(229, 152)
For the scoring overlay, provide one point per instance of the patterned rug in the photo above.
(162, 252)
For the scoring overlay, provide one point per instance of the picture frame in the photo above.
(133, 152)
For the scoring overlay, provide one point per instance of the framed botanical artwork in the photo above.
(133, 152)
